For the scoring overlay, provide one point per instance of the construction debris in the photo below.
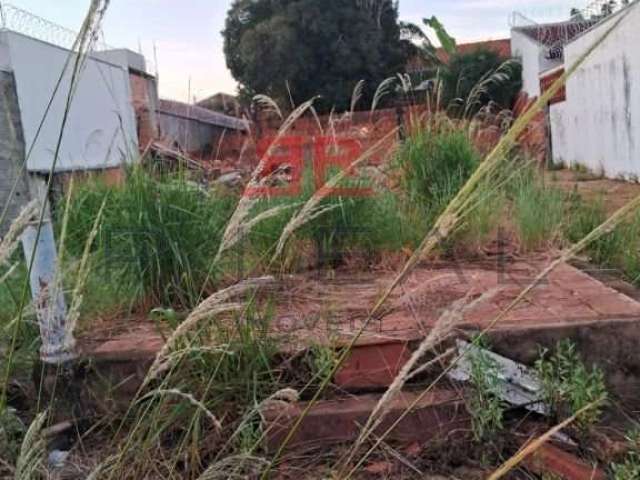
(519, 386)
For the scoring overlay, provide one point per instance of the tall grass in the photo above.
(617, 250)
(240, 353)
(367, 225)
(160, 234)
(538, 211)
(436, 162)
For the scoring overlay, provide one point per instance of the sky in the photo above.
(188, 43)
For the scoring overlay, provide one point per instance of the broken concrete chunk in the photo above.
(519, 385)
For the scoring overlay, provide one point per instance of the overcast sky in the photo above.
(189, 45)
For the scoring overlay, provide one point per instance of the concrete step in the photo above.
(604, 323)
(437, 415)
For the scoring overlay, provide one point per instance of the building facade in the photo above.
(598, 125)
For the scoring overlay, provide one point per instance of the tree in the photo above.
(293, 50)
(480, 77)
(469, 80)
(422, 46)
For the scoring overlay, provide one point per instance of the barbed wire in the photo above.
(556, 35)
(22, 21)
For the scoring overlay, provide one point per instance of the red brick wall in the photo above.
(548, 80)
(534, 141)
(143, 99)
(368, 128)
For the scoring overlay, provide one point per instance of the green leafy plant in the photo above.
(485, 406)
(321, 360)
(477, 78)
(629, 469)
(568, 385)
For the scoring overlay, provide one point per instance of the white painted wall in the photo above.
(100, 131)
(5, 58)
(562, 131)
(534, 61)
(528, 50)
(599, 124)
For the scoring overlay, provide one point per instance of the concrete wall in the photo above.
(534, 61)
(561, 134)
(100, 131)
(529, 52)
(599, 124)
(11, 153)
(191, 136)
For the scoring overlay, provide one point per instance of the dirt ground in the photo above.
(613, 193)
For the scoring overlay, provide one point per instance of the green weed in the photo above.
(538, 212)
(321, 360)
(435, 163)
(158, 233)
(485, 406)
(242, 366)
(568, 385)
(369, 224)
(619, 249)
(583, 217)
(629, 469)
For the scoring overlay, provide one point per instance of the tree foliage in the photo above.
(293, 50)
(482, 74)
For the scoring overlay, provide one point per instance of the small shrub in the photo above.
(485, 407)
(321, 361)
(568, 385)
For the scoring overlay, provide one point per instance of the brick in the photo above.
(552, 460)
(438, 415)
(372, 366)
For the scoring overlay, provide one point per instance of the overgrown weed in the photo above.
(436, 162)
(568, 385)
(159, 234)
(629, 468)
(484, 405)
(538, 211)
